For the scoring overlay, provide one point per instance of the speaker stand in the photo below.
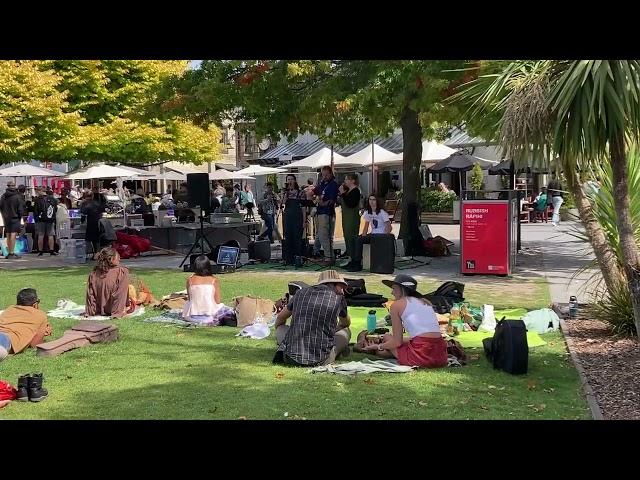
(202, 238)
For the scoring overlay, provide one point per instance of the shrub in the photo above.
(433, 200)
(615, 308)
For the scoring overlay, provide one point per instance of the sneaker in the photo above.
(3, 353)
(54, 254)
(554, 224)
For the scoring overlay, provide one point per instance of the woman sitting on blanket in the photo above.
(204, 304)
(108, 287)
(425, 346)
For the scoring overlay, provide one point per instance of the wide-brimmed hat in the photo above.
(331, 276)
(409, 283)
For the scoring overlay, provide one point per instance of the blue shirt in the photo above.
(329, 191)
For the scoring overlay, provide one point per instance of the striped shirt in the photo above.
(315, 311)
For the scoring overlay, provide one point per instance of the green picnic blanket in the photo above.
(467, 339)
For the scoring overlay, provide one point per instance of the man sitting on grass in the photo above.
(319, 330)
(23, 325)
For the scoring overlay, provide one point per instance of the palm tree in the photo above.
(585, 112)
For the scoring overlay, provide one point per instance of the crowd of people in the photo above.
(318, 332)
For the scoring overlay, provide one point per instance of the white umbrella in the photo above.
(225, 175)
(101, 170)
(318, 160)
(258, 170)
(168, 175)
(28, 170)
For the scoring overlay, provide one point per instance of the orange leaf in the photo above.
(279, 375)
(369, 381)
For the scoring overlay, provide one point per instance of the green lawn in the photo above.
(157, 371)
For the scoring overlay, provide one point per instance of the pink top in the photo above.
(201, 300)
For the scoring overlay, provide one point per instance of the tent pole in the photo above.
(373, 190)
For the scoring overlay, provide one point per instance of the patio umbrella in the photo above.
(457, 163)
(28, 170)
(259, 170)
(504, 168)
(102, 170)
(317, 160)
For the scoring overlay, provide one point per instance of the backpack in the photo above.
(436, 247)
(47, 209)
(508, 349)
(446, 296)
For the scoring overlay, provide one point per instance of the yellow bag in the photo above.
(249, 309)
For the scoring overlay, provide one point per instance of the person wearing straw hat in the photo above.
(425, 346)
(319, 331)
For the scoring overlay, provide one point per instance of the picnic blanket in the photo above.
(474, 339)
(362, 367)
(71, 310)
(171, 317)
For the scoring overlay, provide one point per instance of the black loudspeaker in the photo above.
(198, 191)
(383, 253)
(414, 241)
(260, 250)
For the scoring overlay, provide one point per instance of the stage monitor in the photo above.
(228, 256)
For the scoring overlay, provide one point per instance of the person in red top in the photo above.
(23, 325)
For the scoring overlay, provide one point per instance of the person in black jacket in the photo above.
(350, 204)
(13, 208)
(92, 209)
(44, 214)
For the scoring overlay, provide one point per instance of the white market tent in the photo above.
(366, 156)
(28, 170)
(258, 170)
(318, 160)
(225, 175)
(431, 152)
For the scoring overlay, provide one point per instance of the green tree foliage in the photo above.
(95, 110)
(339, 100)
(476, 177)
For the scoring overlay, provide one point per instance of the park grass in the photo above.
(158, 371)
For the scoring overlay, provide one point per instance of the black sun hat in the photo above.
(409, 283)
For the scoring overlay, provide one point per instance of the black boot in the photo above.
(355, 267)
(23, 388)
(36, 392)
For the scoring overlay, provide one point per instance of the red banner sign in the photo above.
(484, 237)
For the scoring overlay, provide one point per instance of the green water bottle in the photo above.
(371, 321)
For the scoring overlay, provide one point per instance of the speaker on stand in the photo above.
(198, 196)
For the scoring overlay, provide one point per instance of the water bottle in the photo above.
(371, 321)
(573, 306)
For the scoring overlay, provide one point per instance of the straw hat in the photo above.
(331, 276)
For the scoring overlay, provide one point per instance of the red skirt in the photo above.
(423, 352)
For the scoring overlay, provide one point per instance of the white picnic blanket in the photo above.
(364, 366)
(71, 310)
(257, 331)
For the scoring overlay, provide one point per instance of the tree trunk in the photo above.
(605, 256)
(411, 162)
(628, 246)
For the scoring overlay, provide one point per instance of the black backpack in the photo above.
(447, 294)
(508, 348)
(47, 207)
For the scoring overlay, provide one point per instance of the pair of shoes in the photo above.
(30, 388)
(12, 255)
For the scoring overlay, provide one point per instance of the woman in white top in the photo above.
(204, 304)
(425, 346)
(376, 218)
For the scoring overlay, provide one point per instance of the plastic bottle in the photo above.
(371, 321)
(573, 306)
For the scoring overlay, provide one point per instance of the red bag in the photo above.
(124, 251)
(7, 392)
(140, 244)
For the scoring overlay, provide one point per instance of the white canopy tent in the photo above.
(255, 170)
(370, 154)
(101, 170)
(431, 152)
(225, 175)
(317, 160)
